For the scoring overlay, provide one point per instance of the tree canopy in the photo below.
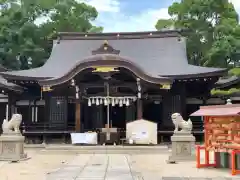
(23, 43)
(214, 32)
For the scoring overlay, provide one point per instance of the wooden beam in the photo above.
(78, 117)
(101, 85)
(112, 94)
(139, 109)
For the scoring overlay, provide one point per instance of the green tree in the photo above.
(213, 38)
(70, 15)
(23, 44)
(164, 24)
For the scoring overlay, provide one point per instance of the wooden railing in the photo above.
(43, 128)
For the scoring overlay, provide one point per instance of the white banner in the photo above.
(84, 138)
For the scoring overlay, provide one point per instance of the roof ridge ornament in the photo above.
(105, 48)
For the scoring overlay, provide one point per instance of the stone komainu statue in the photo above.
(177, 119)
(13, 124)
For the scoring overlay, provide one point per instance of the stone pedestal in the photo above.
(12, 147)
(182, 143)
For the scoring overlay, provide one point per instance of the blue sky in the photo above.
(129, 15)
(132, 15)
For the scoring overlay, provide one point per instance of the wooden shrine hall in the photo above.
(92, 81)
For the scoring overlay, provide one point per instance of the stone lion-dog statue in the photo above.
(12, 126)
(177, 119)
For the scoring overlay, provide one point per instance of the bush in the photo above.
(224, 92)
(234, 71)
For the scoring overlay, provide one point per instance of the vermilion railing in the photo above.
(206, 160)
(228, 129)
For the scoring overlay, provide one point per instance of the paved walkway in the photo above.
(94, 167)
(107, 167)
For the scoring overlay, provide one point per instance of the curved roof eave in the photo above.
(226, 82)
(105, 60)
(21, 75)
(10, 86)
(217, 72)
(23, 78)
(17, 89)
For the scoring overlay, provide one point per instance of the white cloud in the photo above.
(114, 19)
(236, 4)
(105, 5)
(143, 21)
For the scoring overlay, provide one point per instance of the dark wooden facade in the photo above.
(56, 112)
(54, 105)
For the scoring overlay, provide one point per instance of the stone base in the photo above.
(12, 147)
(182, 143)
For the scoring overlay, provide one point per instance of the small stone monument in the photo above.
(182, 141)
(11, 140)
(229, 102)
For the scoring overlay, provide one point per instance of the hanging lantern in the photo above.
(101, 101)
(113, 102)
(77, 96)
(105, 102)
(93, 101)
(139, 95)
(127, 102)
(77, 88)
(120, 103)
(139, 88)
(124, 101)
(72, 82)
(97, 102)
(116, 101)
(89, 102)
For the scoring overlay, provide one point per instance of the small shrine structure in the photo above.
(221, 134)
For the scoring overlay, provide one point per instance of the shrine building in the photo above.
(97, 80)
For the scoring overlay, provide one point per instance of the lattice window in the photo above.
(176, 104)
(58, 110)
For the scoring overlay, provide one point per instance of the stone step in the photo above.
(66, 148)
(103, 152)
(105, 149)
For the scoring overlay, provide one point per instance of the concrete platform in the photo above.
(109, 149)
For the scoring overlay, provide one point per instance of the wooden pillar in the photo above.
(46, 96)
(9, 106)
(139, 100)
(78, 117)
(7, 110)
(167, 111)
(46, 110)
(139, 109)
(183, 100)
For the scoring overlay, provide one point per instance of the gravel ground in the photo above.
(35, 168)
